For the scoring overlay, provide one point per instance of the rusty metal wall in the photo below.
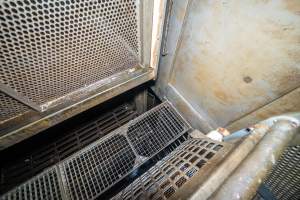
(229, 61)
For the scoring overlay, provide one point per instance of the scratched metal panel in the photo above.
(236, 56)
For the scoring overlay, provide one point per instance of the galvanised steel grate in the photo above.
(44, 186)
(50, 49)
(172, 172)
(154, 130)
(10, 108)
(284, 180)
(98, 167)
(92, 171)
(49, 152)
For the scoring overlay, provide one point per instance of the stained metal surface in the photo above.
(26, 126)
(244, 182)
(225, 70)
(171, 173)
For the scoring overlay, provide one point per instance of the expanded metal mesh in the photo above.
(52, 48)
(172, 172)
(284, 179)
(97, 168)
(43, 186)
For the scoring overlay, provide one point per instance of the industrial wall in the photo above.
(231, 63)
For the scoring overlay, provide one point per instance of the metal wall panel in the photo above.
(232, 58)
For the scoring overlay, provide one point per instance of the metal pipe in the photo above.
(245, 180)
(230, 163)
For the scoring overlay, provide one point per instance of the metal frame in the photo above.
(175, 170)
(106, 149)
(23, 127)
(30, 123)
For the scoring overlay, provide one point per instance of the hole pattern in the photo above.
(163, 179)
(10, 108)
(52, 48)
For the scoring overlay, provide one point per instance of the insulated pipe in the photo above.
(245, 180)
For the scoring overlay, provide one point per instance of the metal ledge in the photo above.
(32, 123)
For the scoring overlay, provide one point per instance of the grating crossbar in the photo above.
(172, 172)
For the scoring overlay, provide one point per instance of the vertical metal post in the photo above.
(140, 101)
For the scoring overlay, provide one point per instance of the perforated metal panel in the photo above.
(50, 49)
(284, 180)
(9, 107)
(43, 186)
(171, 173)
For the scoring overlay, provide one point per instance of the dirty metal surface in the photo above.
(25, 126)
(51, 49)
(226, 70)
(52, 150)
(164, 179)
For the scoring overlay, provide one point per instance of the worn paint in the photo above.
(225, 41)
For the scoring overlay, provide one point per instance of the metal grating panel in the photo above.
(284, 179)
(52, 150)
(10, 108)
(88, 174)
(98, 167)
(44, 186)
(50, 49)
(172, 172)
(154, 130)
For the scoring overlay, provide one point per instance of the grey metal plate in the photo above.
(50, 49)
